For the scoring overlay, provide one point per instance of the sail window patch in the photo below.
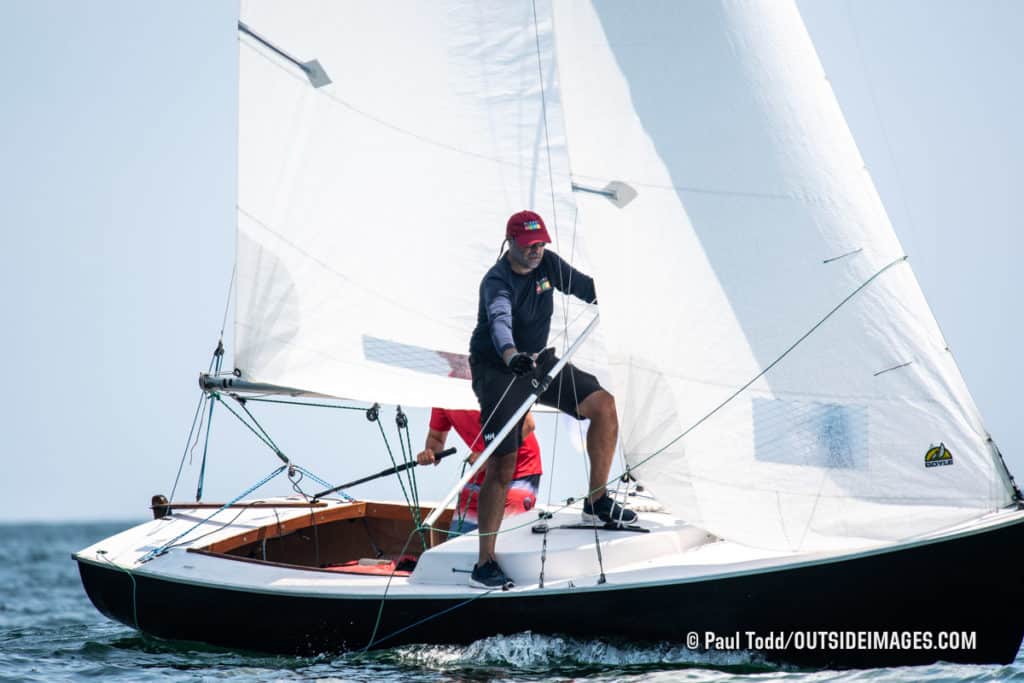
(828, 435)
(416, 358)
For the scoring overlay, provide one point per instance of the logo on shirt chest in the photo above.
(542, 285)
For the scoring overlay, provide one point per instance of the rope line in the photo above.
(163, 548)
(544, 118)
(303, 403)
(775, 362)
(135, 602)
(227, 304)
(191, 431)
(380, 609)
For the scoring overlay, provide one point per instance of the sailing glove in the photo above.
(521, 363)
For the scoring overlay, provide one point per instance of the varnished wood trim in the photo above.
(393, 511)
(285, 527)
(207, 506)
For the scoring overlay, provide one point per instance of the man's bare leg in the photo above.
(491, 506)
(599, 408)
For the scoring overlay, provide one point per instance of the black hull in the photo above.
(962, 585)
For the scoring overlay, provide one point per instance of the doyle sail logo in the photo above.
(543, 285)
(938, 456)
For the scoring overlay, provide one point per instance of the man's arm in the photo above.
(572, 281)
(435, 444)
(498, 303)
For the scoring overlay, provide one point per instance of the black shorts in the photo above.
(501, 392)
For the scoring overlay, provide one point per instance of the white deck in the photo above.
(672, 552)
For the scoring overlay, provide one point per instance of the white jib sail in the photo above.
(755, 218)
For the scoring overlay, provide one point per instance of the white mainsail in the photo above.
(370, 207)
(755, 219)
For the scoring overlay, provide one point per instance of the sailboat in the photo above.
(829, 494)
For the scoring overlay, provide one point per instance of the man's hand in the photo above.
(521, 363)
(426, 457)
(473, 456)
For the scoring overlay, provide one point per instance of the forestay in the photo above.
(755, 218)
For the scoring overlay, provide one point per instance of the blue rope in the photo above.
(162, 549)
(206, 447)
(325, 484)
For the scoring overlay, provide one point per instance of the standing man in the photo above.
(522, 492)
(513, 321)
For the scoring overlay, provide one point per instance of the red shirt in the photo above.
(467, 425)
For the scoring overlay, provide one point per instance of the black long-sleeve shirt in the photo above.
(515, 310)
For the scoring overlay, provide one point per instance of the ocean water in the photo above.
(49, 631)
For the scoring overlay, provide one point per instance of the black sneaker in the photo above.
(607, 511)
(489, 576)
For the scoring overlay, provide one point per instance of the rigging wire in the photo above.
(544, 118)
(215, 365)
(227, 304)
(206, 448)
(387, 587)
(775, 362)
(181, 465)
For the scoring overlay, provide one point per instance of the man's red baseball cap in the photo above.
(527, 228)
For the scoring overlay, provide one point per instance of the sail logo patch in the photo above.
(531, 225)
(543, 285)
(938, 456)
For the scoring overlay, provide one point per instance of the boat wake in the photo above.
(531, 651)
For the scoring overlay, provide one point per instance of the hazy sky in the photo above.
(118, 130)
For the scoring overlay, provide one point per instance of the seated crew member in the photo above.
(522, 492)
(513, 321)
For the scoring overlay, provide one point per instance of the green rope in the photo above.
(259, 436)
(413, 499)
(394, 463)
(256, 422)
(135, 601)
